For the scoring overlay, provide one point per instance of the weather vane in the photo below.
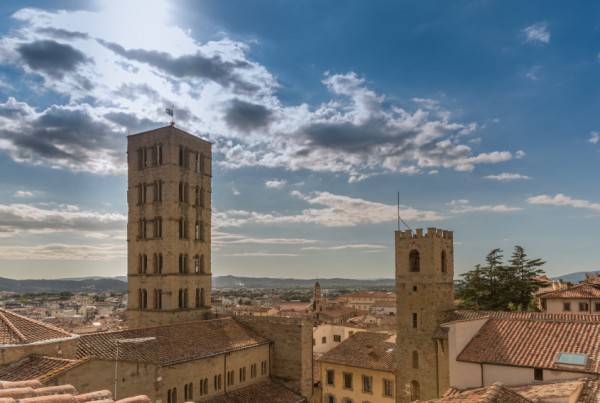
(171, 112)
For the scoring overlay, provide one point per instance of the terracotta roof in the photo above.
(34, 392)
(535, 343)
(41, 368)
(260, 392)
(583, 290)
(566, 317)
(590, 392)
(17, 329)
(496, 393)
(364, 350)
(172, 344)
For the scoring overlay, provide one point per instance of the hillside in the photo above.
(271, 282)
(97, 284)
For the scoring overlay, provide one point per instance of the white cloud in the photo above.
(594, 137)
(64, 252)
(19, 218)
(537, 33)
(130, 73)
(520, 154)
(563, 200)
(330, 210)
(235, 192)
(359, 246)
(276, 183)
(507, 177)
(224, 238)
(464, 206)
(534, 72)
(262, 254)
(23, 193)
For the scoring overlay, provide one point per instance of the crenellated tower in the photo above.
(424, 290)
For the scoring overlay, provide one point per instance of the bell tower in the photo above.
(425, 294)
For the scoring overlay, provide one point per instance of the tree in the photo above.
(496, 286)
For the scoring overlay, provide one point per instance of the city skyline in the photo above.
(483, 120)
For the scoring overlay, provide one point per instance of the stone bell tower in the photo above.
(425, 294)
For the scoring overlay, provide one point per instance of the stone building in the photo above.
(425, 295)
(580, 298)
(168, 236)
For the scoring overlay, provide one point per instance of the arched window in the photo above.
(198, 300)
(444, 263)
(180, 298)
(415, 391)
(415, 359)
(185, 298)
(414, 261)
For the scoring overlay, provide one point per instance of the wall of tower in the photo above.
(169, 190)
(424, 298)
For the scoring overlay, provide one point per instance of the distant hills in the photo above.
(91, 284)
(119, 283)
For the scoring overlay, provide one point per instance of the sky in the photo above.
(483, 114)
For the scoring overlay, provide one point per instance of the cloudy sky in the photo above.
(486, 121)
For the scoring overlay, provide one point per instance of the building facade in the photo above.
(169, 221)
(424, 291)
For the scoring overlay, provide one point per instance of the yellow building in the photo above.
(359, 370)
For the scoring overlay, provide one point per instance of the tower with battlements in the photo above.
(168, 232)
(424, 289)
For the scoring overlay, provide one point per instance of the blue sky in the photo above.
(482, 114)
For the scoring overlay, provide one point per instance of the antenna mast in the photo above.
(400, 220)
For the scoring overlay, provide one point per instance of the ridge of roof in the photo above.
(17, 329)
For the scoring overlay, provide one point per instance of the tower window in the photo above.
(415, 320)
(182, 228)
(143, 298)
(158, 299)
(199, 231)
(444, 262)
(183, 263)
(415, 390)
(199, 297)
(159, 150)
(181, 155)
(415, 359)
(414, 261)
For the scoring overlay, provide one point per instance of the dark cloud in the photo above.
(132, 122)
(247, 116)
(213, 68)
(60, 33)
(51, 57)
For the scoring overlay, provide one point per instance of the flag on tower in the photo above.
(169, 111)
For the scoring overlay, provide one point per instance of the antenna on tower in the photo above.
(400, 220)
(171, 112)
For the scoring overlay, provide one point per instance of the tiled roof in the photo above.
(167, 345)
(37, 367)
(17, 329)
(566, 317)
(363, 350)
(590, 392)
(548, 391)
(34, 392)
(535, 343)
(583, 290)
(260, 392)
(496, 393)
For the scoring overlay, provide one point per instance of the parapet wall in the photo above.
(431, 233)
(291, 351)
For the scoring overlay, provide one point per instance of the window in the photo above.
(140, 194)
(183, 263)
(566, 306)
(330, 399)
(143, 298)
(415, 359)
(182, 228)
(158, 263)
(367, 384)
(181, 155)
(263, 367)
(347, 380)
(330, 377)
(199, 264)
(337, 338)
(253, 371)
(444, 262)
(242, 374)
(415, 391)
(597, 306)
(415, 320)
(159, 151)
(199, 196)
(199, 297)
(199, 231)
(388, 387)
(583, 307)
(183, 298)
(188, 393)
(538, 374)
(323, 340)
(172, 395)
(140, 158)
(414, 261)
(203, 390)
(230, 378)
(217, 382)
(158, 299)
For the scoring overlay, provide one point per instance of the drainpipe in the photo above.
(481, 365)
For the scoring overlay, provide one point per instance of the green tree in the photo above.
(496, 286)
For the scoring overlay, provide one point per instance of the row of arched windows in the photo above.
(414, 261)
(158, 263)
(143, 298)
(183, 301)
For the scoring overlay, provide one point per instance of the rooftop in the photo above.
(583, 290)
(264, 391)
(39, 368)
(16, 329)
(364, 350)
(172, 344)
(535, 343)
